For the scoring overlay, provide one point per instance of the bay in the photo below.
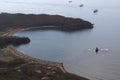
(74, 48)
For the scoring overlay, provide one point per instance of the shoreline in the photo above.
(30, 58)
(12, 32)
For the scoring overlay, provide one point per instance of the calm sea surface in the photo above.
(75, 49)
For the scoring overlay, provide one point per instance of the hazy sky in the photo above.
(87, 2)
(45, 6)
(58, 1)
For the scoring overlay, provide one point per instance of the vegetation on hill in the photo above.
(11, 64)
(13, 40)
(31, 20)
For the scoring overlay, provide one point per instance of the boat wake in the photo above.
(100, 50)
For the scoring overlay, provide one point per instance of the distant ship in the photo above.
(81, 5)
(95, 11)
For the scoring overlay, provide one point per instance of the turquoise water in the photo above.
(74, 48)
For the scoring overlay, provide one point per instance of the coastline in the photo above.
(30, 59)
(43, 21)
(12, 32)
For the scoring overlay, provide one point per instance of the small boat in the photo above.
(96, 50)
(95, 11)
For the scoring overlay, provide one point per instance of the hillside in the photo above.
(15, 65)
(8, 21)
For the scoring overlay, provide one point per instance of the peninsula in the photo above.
(15, 65)
(8, 21)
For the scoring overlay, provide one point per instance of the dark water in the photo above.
(74, 48)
